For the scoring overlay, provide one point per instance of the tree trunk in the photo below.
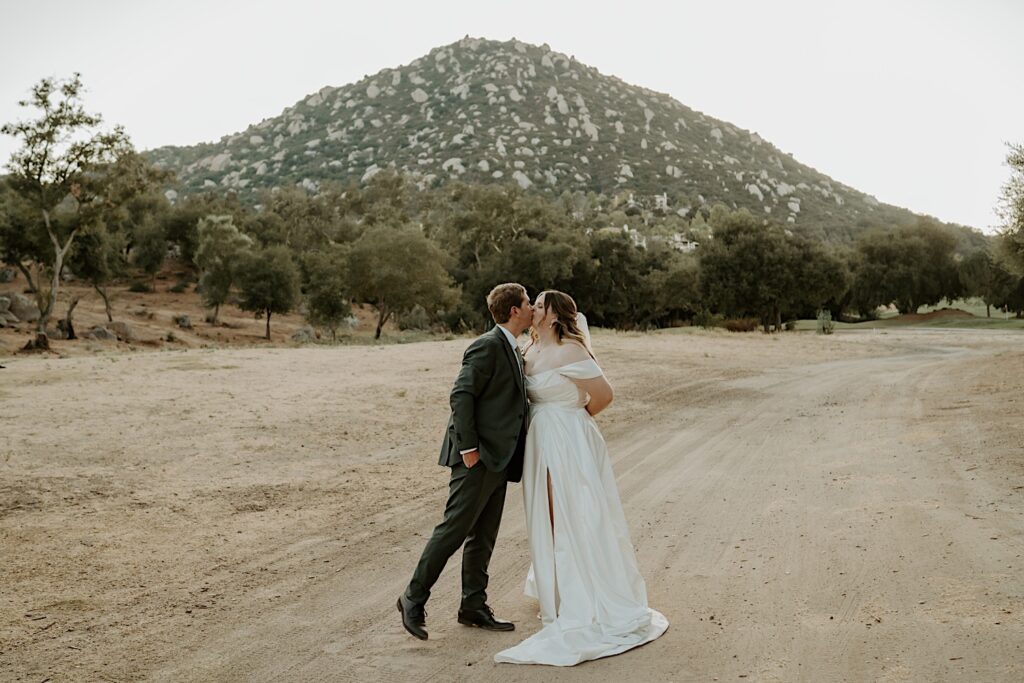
(40, 343)
(106, 301)
(59, 253)
(28, 276)
(69, 327)
(51, 300)
(268, 324)
(988, 310)
(381, 319)
(42, 294)
(907, 307)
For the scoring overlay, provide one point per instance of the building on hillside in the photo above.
(680, 243)
(635, 236)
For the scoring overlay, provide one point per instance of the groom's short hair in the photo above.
(502, 298)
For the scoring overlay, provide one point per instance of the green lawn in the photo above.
(975, 307)
(961, 323)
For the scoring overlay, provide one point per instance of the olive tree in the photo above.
(221, 247)
(55, 173)
(1011, 211)
(268, 282)
(395, 267)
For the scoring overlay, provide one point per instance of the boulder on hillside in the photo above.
(100, 332)
(304, 335)
(24, 308)
(183, 321)
(6, 317)
(7, 274)
(122, 330)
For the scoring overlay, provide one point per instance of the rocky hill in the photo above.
(486, 111)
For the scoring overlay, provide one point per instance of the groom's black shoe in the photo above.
(484, 618)
(414, 617)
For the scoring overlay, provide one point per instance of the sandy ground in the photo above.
(804, 508)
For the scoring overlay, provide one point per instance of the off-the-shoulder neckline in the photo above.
(577, 362)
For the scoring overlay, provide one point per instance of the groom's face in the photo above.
(523, 314)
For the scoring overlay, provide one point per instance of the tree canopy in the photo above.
(268, 281)
(397, 267)
(66, 174)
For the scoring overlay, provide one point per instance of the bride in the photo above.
(593, 601)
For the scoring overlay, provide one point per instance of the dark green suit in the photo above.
(489, 412)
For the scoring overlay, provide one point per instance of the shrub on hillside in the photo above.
(741, 324)
(825, 323)
(416, 319)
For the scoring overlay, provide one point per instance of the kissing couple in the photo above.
(530, 416)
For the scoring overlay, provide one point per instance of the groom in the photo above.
(484, 447)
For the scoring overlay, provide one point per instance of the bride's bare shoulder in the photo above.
(571, 351)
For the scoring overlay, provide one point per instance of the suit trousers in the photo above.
(476, 498)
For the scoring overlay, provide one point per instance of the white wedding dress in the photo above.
(593, 601)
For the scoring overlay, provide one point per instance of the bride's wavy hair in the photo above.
(565, 325)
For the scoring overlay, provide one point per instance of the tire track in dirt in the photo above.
(798, 515)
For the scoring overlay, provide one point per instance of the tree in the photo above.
(221, 248)
(97, 259)
(1011, 211)
(395, 267)
(821, 279)
(912, 266)
(326, 288)
(132, 200)
(51, 171)
(609, 287)
(672, 293)
(758, 269)
(268, 282)
(1012, 297)
(181, 221)
(20, 242)
(149, 244)
(983, 277)
(500, 234)
(304, 223)
(747, 269)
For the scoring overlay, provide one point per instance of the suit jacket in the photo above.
(489, 407)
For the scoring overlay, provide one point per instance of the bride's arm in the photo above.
(598, 388)
(600, 391)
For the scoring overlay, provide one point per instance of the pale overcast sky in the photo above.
(911, 101)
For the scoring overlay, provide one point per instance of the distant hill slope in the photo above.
(486, 111)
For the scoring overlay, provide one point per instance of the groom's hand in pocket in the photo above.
(471, 458)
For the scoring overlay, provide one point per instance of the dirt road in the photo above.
(803, 508)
